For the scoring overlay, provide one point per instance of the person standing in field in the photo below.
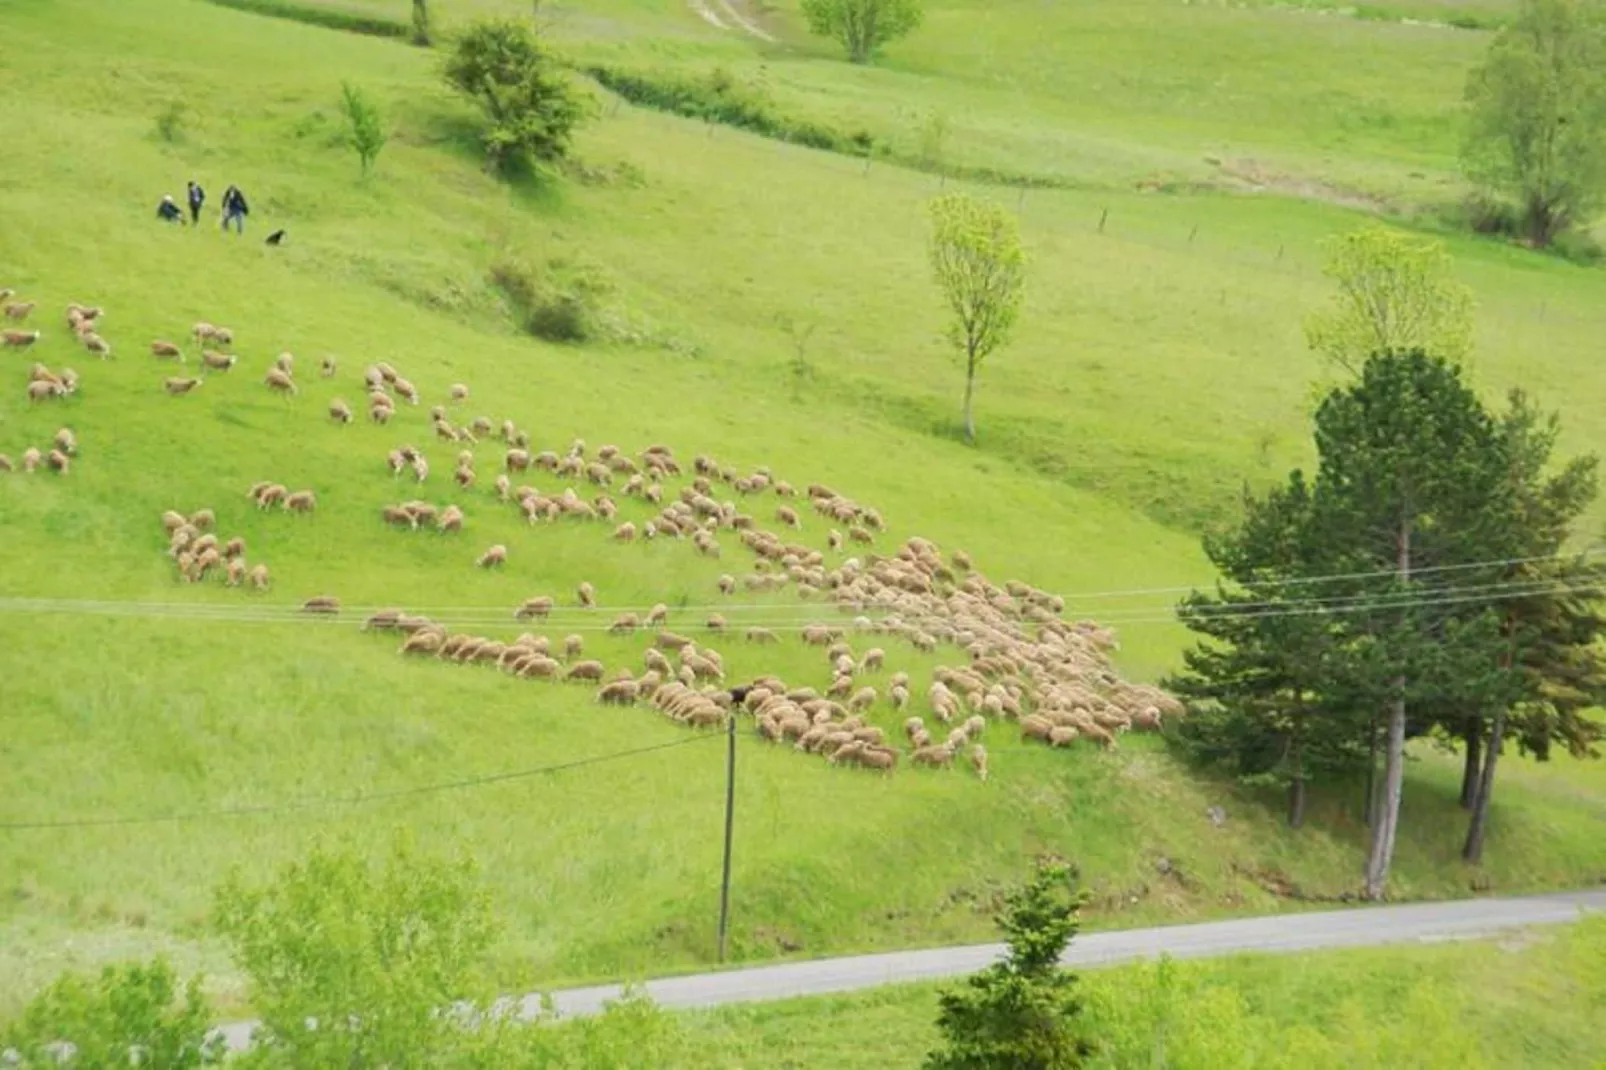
(197, 198)
(235, 209)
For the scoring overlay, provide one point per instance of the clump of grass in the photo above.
(172, 122)
(558, 302)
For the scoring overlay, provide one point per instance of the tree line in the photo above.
(1417, 582)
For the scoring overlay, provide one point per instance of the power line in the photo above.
(348, 800)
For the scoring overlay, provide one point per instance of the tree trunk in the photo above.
(1388, 817)
(1296, 786)
(1479, 825)
(1371, 773)
(970, 393)
(1471, 767)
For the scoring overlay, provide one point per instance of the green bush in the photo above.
(719, 97)
(521, 88)
(328, 18)
(557, 304)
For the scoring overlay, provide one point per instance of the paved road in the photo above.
(1359, 927)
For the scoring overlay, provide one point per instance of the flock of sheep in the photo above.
(1023, 662)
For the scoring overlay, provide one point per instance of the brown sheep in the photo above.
(40, 390)
(302, 501)
(585, 670)
(339, 412)
(326, 605)
(625, 532)
(862, 699)
(451, 520)
(19, 310)
(65, 441)
(504, 488)
(96, 344)
(286, 363)
(19, 339)
(203, 520)
(58, 461)
(280, 382)
(715, 623)
(395, 514)
(422, 642)
(494, 557)
(671, 641)
(619, 693)
(178, 387)
(941, 757)
(420, 468)
(405, 389)
(573, 647)
(234, 548)
(1062, 735)
(380, 414)
(534, 609)
(727, 585)
(259, 577)
(235, 572)
(464, 477)
(221, 362)
(168, 350)
(517, 460)
(624, 624)
(541, 666)
(761, 635)
(326, 367)
(659, 614)
(587, 595)
(873, 660)
(788, 516)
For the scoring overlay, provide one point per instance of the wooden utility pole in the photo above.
(730, 820)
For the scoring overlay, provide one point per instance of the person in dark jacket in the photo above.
(168, 212)
(197, 198)
(235, 209)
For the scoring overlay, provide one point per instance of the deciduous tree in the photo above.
(1394, 294)
(365, 130)
(981, 268)
(1537, 115)
(531, 105)
(862, 26)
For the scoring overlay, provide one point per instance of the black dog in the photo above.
(276, 238)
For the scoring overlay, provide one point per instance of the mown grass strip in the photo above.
(327, 18)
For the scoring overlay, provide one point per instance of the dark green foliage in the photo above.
(369, 955)
(718, 97)
(556, 303)
(1020, 1013)
(1391, 594)
(862, 27)
(126, 1009)
(315, 15)
(531, 106)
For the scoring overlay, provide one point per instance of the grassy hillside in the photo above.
(1157, 368)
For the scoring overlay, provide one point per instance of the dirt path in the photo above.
(726, 15)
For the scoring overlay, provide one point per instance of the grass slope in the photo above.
(1152, 374)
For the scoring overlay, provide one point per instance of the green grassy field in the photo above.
(1159, 366)
(1525, 1000)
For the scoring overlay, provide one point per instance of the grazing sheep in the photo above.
(395, 514)
(715, 623)
(517, 460)
(405, 389)
(279, 381)
(464, 477)
(339, 412)
(324, 605)
(326, 367)
(978, 761)
(221, 362)
(178, 387)
(380, 414)
(788, 516)
(587, 595)
(285, 363)
(451, 520)
(619, 693)
(65, 441)
(573, 647)
(973, 727)
(30, 459)
(234, 548)
(302, 501)
(420, 468)
(203, 520)
(873, 660)
(727, 585)
(658, 615)
(494, 557)
(58, 461)
(459, 392)
(939, 757)
(862, 699)
(1061, 735)
(39, 390)
(761, 635)
(585, 670)
(96, 344)
(624, 624)
(19, 339)
(167, 350)
(259, 577)
(538, 608)
(386, 372)
(540, 666)
(422, 642)
(625, 532)
(19, 310)
(671, 641)
(234, 572)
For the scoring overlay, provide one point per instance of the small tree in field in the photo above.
(365, 131)
(1538, 115)
(977, 257)
(862, 26)
(1020, 1013)
(128, 1016)
(531, 106)
(1394, 294)
(368, 957)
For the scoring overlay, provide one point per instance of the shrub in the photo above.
(558, 304)
(531, 105)
(719, 97)
(106, 1020)
(365, 131)
(172, 121)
